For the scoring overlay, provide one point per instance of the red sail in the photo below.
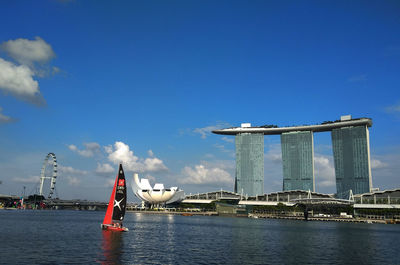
(117, 205)
(108, 218)
(120, 198)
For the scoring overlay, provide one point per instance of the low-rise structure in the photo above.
(156, 196)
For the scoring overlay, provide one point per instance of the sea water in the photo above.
(75, 237)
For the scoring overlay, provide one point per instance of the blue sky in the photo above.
(144, 82)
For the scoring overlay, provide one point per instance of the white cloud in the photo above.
(72, 147)
(104, 169)
(274, 154)
(72, 175)
(386, 168)
(375, 164)
(206, 131)
(92, 146)
(393, 108)
(154, 164)
(205, 174)
(228, 139)
(150, 153)
(70, 170)
(108, 149)
(73, 181)
(324, 171)
(55, 70)
(222, 148)
(27, 52)
(4, 118)
(18, 81)
(32, 57)
(121, 153)
(32, 179)
(150, 178)
(90, 149)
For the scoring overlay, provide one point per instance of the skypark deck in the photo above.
(272, 130)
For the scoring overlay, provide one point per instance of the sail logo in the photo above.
(121, 182)
(116, 203)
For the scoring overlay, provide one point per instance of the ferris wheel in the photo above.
(53, 176)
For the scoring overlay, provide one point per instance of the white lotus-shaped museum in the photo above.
(157, 195)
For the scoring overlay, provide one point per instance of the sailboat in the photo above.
(117, 205)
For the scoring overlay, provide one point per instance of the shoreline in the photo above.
(327, 219)
(258, 216)
(175, 213)
(297, 218)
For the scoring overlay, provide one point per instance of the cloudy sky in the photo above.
(144, 83)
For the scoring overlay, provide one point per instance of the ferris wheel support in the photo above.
(52, 178)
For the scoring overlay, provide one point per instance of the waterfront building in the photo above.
(352, 160)
(351, 155)
(249, 179)
(375, 204)
(298, 161)
(156, 196)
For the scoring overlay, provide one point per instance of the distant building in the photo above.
(298, 161)
(156, 196)
(352, 160)
(350, 140)
(249, 178)
(379, 199)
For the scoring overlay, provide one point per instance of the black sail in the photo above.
(120, 197)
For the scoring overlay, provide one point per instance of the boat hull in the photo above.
(114, 228)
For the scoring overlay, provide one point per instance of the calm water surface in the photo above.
(72, 237)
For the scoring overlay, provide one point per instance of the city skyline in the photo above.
(99, 83)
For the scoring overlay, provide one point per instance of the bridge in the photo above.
(58, 204)
(37, 201)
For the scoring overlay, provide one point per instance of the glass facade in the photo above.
(298, 161)
(249, 164)
(352, 160)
